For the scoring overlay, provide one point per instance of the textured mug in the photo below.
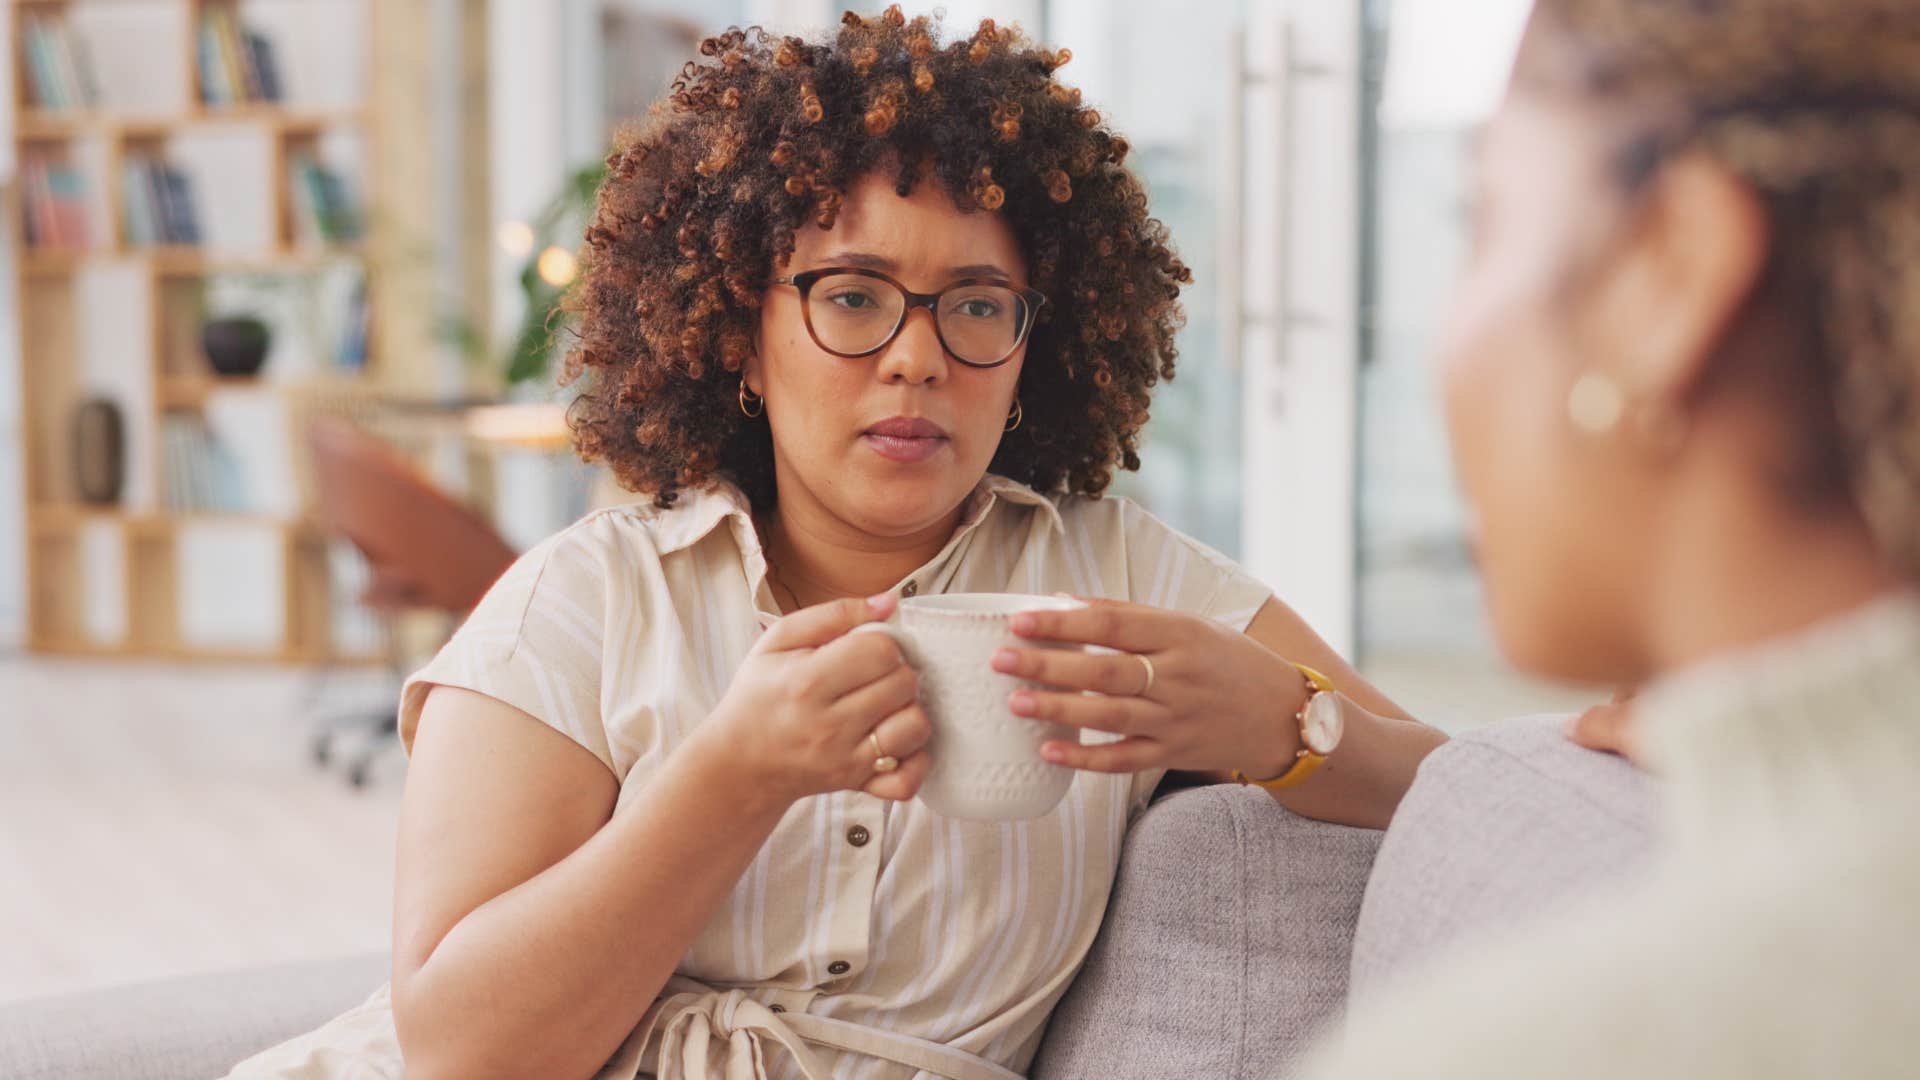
(986, 760)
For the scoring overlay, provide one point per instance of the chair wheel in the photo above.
(357, 775)
(322, 749)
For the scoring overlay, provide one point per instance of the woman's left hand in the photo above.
(1205, 699)
(1611, 728)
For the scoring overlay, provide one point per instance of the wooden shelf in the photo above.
(49, 124)
(52, 262)
(178, 261)
(50, 518)
(80, 647)
(97, 140)
(190, 391)
(194, 262)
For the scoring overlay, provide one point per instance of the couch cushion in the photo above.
(1225, 945)
(199, 1026)
(1500, 826)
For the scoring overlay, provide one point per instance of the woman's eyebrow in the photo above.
(866, 260)
(860, 259)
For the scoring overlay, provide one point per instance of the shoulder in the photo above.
(1748, 967)
(1125, 523)
(637, 533)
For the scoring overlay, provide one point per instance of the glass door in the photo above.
(1161, 82)
(1244, 119)
(1308, 157)
(1433, 72)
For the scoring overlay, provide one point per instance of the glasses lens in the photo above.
(982, 324)
(852, 313)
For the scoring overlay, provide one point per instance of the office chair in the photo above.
(425, 551)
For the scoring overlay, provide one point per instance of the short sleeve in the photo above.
(1169, 569)
(534, 641)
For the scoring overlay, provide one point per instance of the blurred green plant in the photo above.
(560, 224)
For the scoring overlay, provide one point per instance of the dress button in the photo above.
(858, 836)
(912, 588)
(777, 1008)
(839, 967)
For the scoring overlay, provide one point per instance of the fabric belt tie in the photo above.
(694, 1032)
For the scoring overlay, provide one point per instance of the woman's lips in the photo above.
(906, 439)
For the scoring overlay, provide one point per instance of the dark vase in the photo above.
(236, 346)
(99, 451)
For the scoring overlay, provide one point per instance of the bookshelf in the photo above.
(123, 233)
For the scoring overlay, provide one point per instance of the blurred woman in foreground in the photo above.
(1683, 377)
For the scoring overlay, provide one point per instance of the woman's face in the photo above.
(838, 423)
(1565, 521)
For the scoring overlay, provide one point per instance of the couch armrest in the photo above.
(1225, 945)
(1502, 825)
(200, 1026)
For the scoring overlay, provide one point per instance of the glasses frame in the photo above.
(804, 282)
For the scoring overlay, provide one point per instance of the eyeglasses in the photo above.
(850, 312)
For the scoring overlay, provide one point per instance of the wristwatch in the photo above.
(1323, 720)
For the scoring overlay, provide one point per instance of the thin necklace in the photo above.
(778, 582)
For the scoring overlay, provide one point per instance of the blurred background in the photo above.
(276, 395)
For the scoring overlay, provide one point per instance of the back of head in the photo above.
(1815, 105)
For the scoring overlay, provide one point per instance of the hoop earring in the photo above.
(759, 405)
(1016, 416)
(1596, 403)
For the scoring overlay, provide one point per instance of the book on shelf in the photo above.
(143, 226)
(325, 212)
(352, 354)
(159, 203)
(55, 204)
(202, 475)
(237, 66)
(59, 68)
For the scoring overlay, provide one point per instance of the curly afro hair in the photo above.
(761, 137)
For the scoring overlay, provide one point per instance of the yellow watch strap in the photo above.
(1308, 762)
(1318, 681)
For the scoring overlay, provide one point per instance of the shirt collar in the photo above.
(699, 512)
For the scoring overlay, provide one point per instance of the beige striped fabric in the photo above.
(623, 632)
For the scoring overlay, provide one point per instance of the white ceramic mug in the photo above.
(986, 760)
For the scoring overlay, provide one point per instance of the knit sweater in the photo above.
(1777, 934)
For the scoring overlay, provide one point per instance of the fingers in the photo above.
(1609, 729)
(901, 735)
(884, 696)
(902, 783)
(810, 628)
(841, 667)
(1121, 674)
(1127, 627)
(1126, 756)
(1119, 715)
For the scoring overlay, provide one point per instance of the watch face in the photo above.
(1323, 723)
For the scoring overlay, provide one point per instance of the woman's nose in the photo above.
(915, 355)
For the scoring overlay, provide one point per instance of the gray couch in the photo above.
(1230, 940)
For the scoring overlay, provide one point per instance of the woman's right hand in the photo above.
(798, 714)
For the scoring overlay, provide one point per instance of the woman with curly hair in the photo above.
(863, 319)
(1683, 375)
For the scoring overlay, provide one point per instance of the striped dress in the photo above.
(625, 630)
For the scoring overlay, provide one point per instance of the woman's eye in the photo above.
(978, 309)
(853, 301)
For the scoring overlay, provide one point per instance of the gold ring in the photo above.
(883, 762)
(1149, 666)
